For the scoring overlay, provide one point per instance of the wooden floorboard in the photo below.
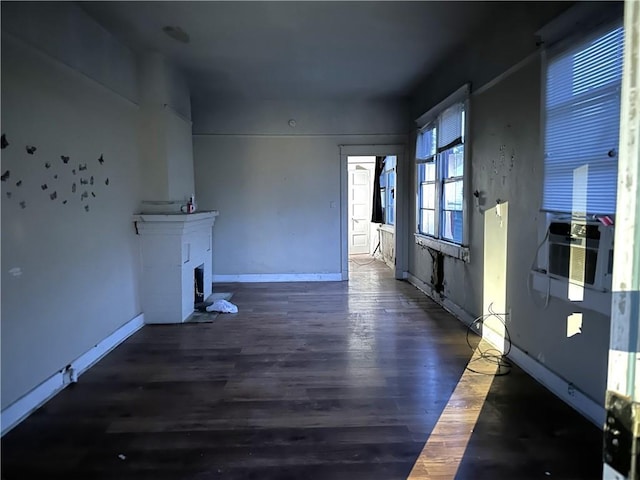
(329, 380)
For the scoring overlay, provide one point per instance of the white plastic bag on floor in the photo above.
(222, 306)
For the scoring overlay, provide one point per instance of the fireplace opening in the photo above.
(198, 282)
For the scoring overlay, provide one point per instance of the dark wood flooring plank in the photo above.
(330, 380)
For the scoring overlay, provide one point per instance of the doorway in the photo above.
(361, 236)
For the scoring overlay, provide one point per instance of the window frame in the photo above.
(599, 296)
(422, 181)
(388, 192)
(442, 182)
(427, 121)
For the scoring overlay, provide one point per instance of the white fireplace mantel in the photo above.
(172, 246)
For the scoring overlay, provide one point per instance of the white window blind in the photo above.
(582, 123)
(450, 126)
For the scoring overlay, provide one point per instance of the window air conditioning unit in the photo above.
(581, 251)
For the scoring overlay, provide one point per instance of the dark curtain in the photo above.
(376, 214)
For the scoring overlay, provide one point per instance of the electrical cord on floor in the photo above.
(351, 260)
(491, 355)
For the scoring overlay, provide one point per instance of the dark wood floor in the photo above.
(342, 380)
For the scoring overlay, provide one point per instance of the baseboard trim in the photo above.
(564, 390)
(28, 403)
(444, 302)
(561, 388)
(278, 277)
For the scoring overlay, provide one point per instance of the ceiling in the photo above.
(289, 50)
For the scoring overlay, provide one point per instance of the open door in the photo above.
(360, 195)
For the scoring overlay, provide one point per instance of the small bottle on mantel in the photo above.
(190, 207)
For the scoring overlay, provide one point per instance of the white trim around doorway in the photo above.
(402, 202)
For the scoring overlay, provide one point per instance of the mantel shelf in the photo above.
(175, 217)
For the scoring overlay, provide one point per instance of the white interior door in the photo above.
(359, 209)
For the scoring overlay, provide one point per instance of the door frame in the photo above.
(402, 203)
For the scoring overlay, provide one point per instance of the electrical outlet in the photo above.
(69, 375)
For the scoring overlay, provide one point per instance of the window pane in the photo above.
(430, 172)
(453, 161)
(428, 199)
(452, 226)
(452, 198)
(428, 222)
(391, 207)
(390, 162)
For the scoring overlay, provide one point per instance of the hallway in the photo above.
(326, 380)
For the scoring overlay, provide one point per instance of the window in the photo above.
(582, 111)
(582, 119)
(440, 175)
(388, 190)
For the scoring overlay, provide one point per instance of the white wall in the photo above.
(278, 188)
(165, 130)
(179, 141)
(506, 163)
(162, 83)
(69, 277)
(387, 251)
(67, 33)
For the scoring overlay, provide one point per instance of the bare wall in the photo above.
(278, 187)
(69, 276)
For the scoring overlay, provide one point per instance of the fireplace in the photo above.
(198, 285)
(175, 249)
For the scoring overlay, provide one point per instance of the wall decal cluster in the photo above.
(52, 187)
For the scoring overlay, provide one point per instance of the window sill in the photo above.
(387, 228)
(561, 288)
(447, 248)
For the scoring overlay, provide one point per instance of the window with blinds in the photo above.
(582, 108)
(440, 175)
